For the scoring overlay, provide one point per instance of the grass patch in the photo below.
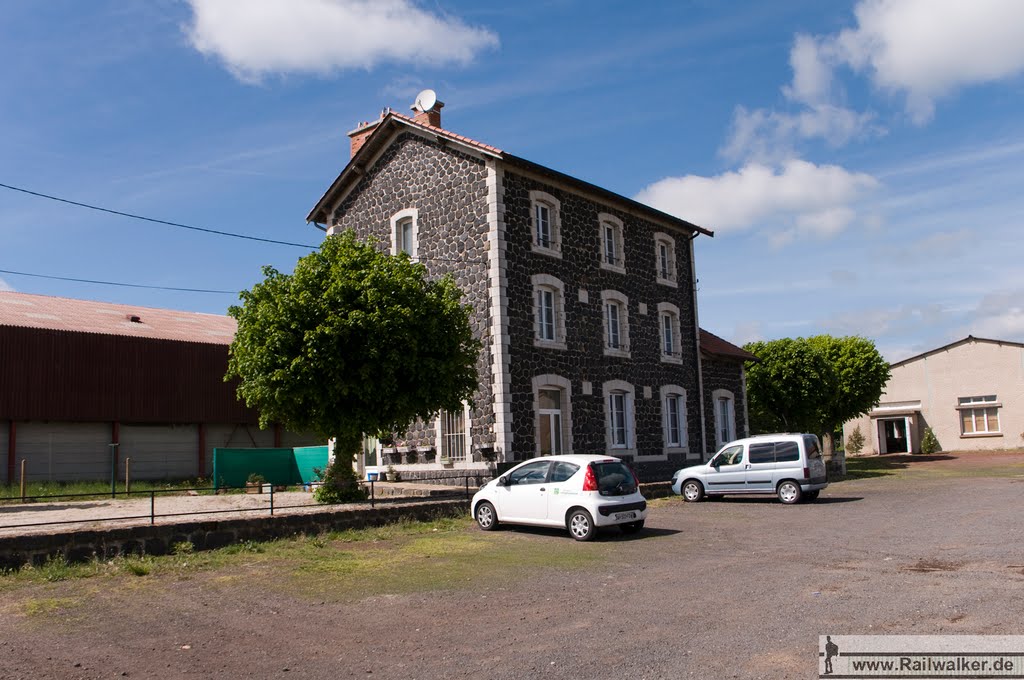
(88, 490)
(937, 466)
(46, 605)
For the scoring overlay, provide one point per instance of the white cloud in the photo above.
(999, 316)
(812, 75)
(256, 38)
(770, 136)
(884, 321)
(924, 49)
(5, 287)
(799, 198)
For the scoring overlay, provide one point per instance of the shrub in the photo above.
(339, 484)
(929, 442)
(855, 442)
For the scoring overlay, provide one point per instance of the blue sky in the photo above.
(860, 162)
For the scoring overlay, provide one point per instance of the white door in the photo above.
(525, 497)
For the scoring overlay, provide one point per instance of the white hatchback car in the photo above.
(578, 492)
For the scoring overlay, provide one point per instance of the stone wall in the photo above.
(448, 189)
(583, 359)
(159, 539)
(723, 374)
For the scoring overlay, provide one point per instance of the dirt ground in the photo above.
(738, 588)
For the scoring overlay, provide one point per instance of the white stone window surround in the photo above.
(620, 387)
(554, 207)
(724, 399)
(679, 393)
(550, 381)
(396, 224)
(667, 310)
(467, 435)
(619, 299)
(665, 249)
(546, 282)
(606, 222)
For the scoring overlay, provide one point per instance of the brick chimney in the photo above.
(431, 117)
(362, 132)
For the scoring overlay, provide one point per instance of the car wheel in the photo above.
(632, 527)
(789, 492)
(486, 517)
(811, 495)
(581, 525)
(693, 491)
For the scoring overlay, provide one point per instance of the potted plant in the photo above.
(393, 474)
(255, 482)
(412, 456)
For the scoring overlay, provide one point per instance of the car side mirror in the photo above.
(503, 481)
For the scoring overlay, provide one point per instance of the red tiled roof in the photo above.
(88, 316)
(447, 133)
(712, 344)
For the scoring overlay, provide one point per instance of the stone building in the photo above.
(584, 300)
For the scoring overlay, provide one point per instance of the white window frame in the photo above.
(666, 240)
(670, 312)
(620, 387)
(718, 397)
(682, 445)
(605, 222)
(619, 300)
(443, 439)
(979, 406)
(550, 381)
(554, 207)
(396, 224)
(549, 284)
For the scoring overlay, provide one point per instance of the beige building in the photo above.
(970, 393)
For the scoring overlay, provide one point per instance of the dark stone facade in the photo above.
(449, 190)
(584, 358)
(723, 374)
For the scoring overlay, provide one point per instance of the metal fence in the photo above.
(463, 491)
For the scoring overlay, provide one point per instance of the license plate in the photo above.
(625, 515)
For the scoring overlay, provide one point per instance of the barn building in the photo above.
(85, 384)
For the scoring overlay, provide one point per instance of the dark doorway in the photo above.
(896, 440)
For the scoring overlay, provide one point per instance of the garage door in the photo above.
(160, 451)
(63, 451)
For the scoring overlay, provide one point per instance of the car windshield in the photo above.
(614, 478)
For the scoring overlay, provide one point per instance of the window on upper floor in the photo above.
(613, 254)
(548, 311)
(545, 214)
(404, 236)
(616, 323)
(668, 328)
(979, 415)
(665, 259)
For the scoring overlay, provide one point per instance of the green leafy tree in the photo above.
(787, 386)
(353, 341)
(814, 384)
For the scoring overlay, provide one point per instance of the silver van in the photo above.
(787, 465)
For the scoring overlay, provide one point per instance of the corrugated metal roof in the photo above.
(24, 310)
(712, 344)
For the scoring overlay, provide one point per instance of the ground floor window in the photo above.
(725, 416)
(550, 433)
(453, 435)
(979, 415)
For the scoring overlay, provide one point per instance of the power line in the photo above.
(126, 285)
(156, 221)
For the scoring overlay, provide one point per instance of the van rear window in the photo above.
(811, 444)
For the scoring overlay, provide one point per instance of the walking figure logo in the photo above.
(831, 649)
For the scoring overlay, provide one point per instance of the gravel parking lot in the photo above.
(737, 588)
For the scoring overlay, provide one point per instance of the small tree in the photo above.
(929, 442)
(354, 341)
(855, 442)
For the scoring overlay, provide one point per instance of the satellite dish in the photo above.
(425, 100)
